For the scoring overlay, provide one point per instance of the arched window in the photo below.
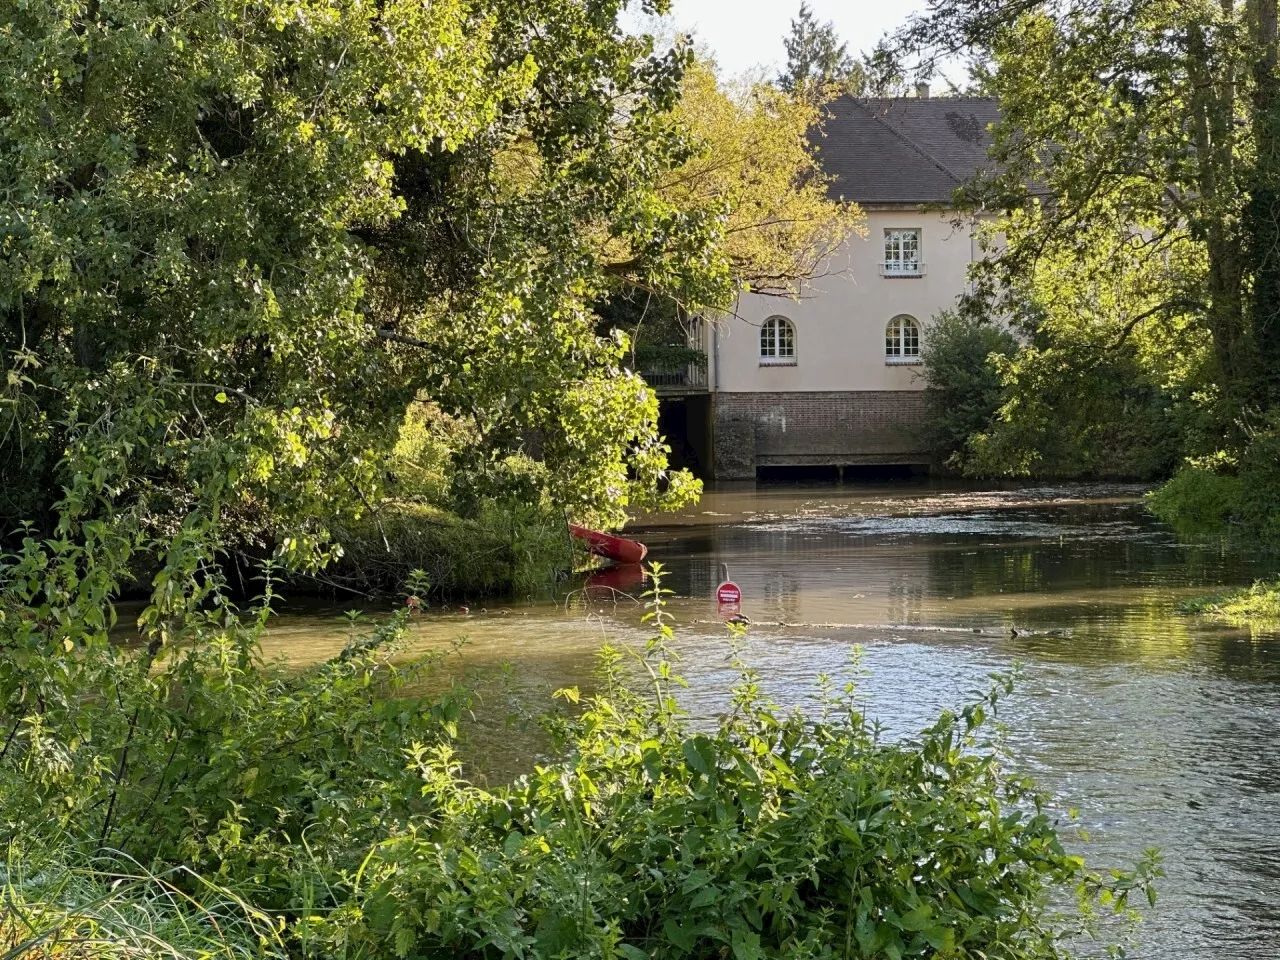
(902, 340)
(777, 341)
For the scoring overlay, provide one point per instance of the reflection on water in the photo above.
(1162, 729)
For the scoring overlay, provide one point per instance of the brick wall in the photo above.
(817, 428)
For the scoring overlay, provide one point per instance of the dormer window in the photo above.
(902, 253)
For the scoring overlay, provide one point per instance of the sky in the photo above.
(748, 33)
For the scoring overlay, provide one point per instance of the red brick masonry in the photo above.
(817, 429)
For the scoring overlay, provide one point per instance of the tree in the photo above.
(883, 72)
(816, 57)
(758, 166)
(238, 240)
(1139, 170)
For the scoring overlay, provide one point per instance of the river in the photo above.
(1163, 729)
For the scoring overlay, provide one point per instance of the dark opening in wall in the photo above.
(860, 473)
(879, 473)
(686, 424)
(798, 474)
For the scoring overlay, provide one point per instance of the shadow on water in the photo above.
(1162, 729)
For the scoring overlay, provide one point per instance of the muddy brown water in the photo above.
(1161, 728)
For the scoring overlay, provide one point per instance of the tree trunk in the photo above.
(1263, 215)
(1212, 107)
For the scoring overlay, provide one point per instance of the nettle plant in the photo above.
(771, 834)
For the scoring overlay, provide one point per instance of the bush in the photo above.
(963, 388)
(506, 549)
(1197, 499)
(332, 797)
(770, 835)
(1240, 490)
(1257, 505)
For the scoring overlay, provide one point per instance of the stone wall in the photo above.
(817, 429)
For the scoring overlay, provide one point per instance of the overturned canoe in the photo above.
(618, 549)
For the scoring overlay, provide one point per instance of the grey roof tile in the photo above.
(907, 149)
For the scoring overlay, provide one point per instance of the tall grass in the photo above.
(73, 907)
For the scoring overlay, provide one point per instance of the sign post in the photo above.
(729, 598)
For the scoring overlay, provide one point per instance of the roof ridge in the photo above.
(932, 98)
(913, 145)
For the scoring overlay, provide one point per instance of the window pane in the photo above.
(911, 246)
(892, 345)
(766, 339)
(786, 339)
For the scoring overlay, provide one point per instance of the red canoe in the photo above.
(618, 576)
(618, 549)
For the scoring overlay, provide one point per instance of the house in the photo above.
(833, 379)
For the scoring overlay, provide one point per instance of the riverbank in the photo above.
(1155, 724)
(508, 552)
(1256, 608)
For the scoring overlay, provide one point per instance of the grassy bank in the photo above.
(70, 904)
(333, 800)
(503, 551)
(1257, 607)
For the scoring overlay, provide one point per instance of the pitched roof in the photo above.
(905, 149)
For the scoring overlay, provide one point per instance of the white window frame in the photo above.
(777, 334)
(897, 342)
(902, 253)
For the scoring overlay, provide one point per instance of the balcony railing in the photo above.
(671, 368)
(903, 268)
(691, 378)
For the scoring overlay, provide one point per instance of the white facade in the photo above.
(841, 319)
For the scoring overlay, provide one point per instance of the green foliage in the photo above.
(770, 835)
(1212, 494)
(1257, 608)
(963, 388)
(335, 799)
(67, 905)
(1257, 502)
(239, 239)
(189, 749)
(507, 548)
(1134, 136)
(1065, 417)
(816, 57)
(1197, 499)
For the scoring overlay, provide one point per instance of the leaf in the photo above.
(683, 935)
(746, 945)
(699, 755)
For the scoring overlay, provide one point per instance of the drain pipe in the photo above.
(715, 356)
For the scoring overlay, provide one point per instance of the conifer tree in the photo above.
(816, 56)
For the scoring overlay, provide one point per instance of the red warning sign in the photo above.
(728, 594)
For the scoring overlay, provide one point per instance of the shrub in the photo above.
(769, 835)
(507, 548)
(1197, 499)
(963, 388)
(1240, 489)
(332, 796)
(1257, 504)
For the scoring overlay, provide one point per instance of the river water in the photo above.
(1163, 729)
